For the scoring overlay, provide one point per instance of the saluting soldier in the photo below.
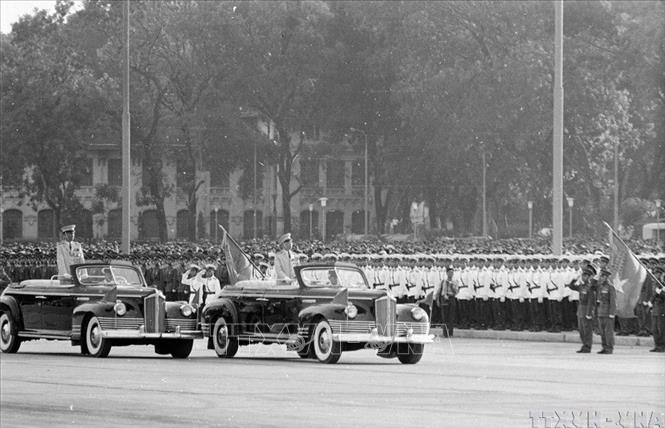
(606, 311)
(69, 252)
(587, 298)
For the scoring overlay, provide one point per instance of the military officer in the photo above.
(188, 279)
(606, 311)
(69, 252)
(444, 301)
(658, 311)
(583, 286)
(285, 259)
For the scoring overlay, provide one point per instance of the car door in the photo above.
(31, 310)
(57, 308)
(281, 310)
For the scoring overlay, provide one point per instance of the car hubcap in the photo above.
(325, 341)
(222, 336)
(4, 331)
(95, 336)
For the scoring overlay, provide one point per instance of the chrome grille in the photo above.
(385, 309)
(344, 326)
(154, 313)
(184, 324)
(417, 327)
(115, 323)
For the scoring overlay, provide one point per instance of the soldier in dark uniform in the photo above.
(658, 311)
(585, 307)
(606, 311)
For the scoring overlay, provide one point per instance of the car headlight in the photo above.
(120, 309)
(418, 313)
(351, 311)
(186, 310)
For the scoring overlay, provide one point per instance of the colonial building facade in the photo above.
(338, 179)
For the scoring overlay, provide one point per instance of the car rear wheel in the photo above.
(326, 349)
(97, 345)
(410, 353)
(225, 346)
(182, 348)
(9, 340)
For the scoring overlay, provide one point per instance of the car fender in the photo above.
(404, 313)
(326, 310)
(221, 307)
(9, 304)
(98, 309)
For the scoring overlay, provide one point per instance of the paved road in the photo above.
(464, 382)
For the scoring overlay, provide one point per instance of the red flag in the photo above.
(628, 275)
(236, 261)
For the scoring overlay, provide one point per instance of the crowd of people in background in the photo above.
(492, 284)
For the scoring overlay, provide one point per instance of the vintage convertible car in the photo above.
(99, 306)
(328, 309)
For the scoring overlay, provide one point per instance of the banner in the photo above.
(628, 275)
(236, 260)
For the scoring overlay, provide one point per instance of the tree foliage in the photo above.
(433, 85)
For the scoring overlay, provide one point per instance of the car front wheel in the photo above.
(97, 345)
(182, 348)
(9, 340)
(410, 353)
(326, 349)
(225, 346)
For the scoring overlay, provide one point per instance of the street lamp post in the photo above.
(254, 210)
(530, 205)
(216, 223)
(571, 201)
(484, 190)
(366, 213)
(323, 217)
(658, 202)
(311, 209)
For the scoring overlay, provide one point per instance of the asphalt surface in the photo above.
(461, 382)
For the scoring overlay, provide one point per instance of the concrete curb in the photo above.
(543, 336)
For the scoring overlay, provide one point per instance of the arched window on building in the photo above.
(12, 224)
(114, 224)
(182, 224)
(334, 223)
(305, 223)
(45, 226)
(248, 224)
(358, 221)
(223, 219)
(148, 227)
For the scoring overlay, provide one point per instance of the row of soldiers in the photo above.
(518, 293)
(491, 291)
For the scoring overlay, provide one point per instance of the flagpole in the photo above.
(243, 253)
(632, 254)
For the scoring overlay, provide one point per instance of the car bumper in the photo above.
(138, 334)
(378, 339)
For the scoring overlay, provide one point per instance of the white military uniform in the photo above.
(68, 253)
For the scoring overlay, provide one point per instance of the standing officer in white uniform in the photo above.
(68, 251)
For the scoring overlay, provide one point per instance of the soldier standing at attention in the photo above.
(285, 259)
(585, 307)
(658, 311)
(607, 307)
(69, 252)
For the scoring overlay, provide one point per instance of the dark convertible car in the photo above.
(328, 309)
(99, 306)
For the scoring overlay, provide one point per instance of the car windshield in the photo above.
(108, 275)
(342, 277)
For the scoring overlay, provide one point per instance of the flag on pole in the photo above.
(628, 275)
(236, 261)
